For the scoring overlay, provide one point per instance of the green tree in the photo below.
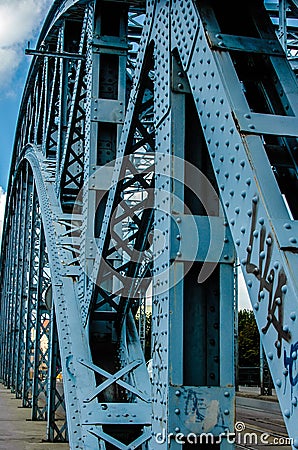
(147, 333)
(248, 339)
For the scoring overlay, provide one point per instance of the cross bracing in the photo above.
(156, 144)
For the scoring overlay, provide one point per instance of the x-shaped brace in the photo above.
(115, 378)
(145, 436)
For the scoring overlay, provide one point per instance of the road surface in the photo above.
(264, 425)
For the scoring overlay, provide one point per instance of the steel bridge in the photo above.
(155, 149)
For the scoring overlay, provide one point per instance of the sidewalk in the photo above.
(17, 430)
(255, 392)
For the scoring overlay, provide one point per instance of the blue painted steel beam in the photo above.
(135, 177)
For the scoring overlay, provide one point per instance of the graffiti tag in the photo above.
(290, 363)
(272, 279)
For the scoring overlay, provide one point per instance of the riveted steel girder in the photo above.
(155, 144)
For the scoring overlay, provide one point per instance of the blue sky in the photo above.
(20, 22)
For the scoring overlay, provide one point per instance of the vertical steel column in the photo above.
(118, 359)
(23, 282)
(56, 417)
(193, 303)
(236, 335)
(62, 106)
(5, 306)
(41, 364)
(52, 126)
(12, 292)
(107, 91)
(32, 302)
(70, 153)
(262, 387)
(282, 26)
(19, 256)
(8, 304)
(41, 348)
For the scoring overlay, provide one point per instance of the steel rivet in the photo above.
(287, 413)
(278, 383)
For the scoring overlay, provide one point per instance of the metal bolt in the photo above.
(287, 413)
(278, 383)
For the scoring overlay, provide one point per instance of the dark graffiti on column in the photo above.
(290, 363)
(271, 276)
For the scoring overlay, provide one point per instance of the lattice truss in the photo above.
(284, 18)
(155, 145)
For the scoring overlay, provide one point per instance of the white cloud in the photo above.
(10, 59)
(20, 21)
(2, 209)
